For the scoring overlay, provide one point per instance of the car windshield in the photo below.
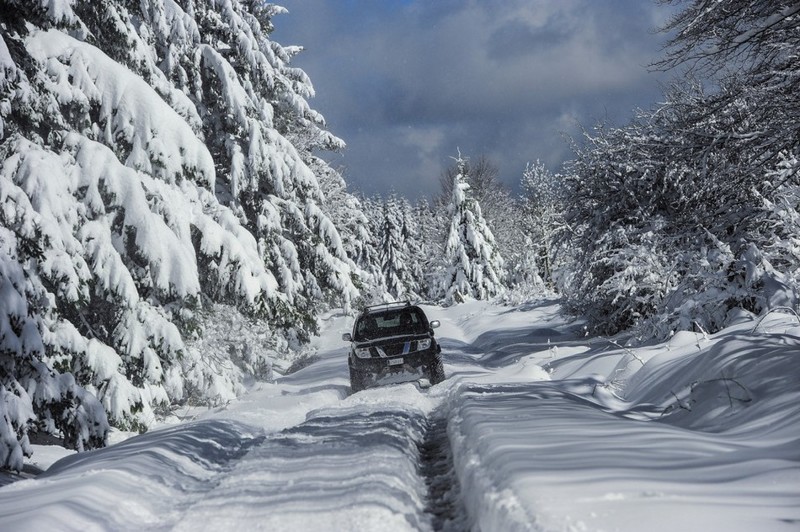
(394, 323)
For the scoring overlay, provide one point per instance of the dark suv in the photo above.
(393, 343)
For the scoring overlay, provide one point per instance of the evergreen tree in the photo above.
(401, 254)
(373, 211)
(392, 254)
(501, 211)
(431, 231)
(474, 268)
(347, 212)
(148, 169)
(414, 273)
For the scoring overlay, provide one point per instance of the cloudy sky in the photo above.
(406, 83)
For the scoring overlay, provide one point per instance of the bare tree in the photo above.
(481, 174)
(758, 36)
(751, 49)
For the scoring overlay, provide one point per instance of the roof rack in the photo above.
(386, 306)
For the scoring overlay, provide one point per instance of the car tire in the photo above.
(358, 380)
(436, 371)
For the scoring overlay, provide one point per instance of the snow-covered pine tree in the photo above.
(501, 212)
(145, 170)
(430, 241)
(372, 208)
(33, 396)
(399, 249)
(474, 268)
(119, 245)
(414, 272)
(247, 102)
(251, 102)
(346, 211)
(391, 253)
(434, 225)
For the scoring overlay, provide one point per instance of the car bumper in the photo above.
(400, 368)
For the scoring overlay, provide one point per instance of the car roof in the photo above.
(389, 307)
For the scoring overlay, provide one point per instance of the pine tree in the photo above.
(33, 396)
(413, 273)
(392, 255)
(147, 173)
(474, 267)
(347, 212)
(428, 250)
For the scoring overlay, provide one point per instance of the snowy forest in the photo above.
(169, 224)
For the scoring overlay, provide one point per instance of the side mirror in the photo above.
(434, 324)
(347, 337)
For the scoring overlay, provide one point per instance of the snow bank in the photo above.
(144, 482)
(702, 433)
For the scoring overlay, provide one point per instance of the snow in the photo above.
(144, 181)
(547, 430)
(162, 143)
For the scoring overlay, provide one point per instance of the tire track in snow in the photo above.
(366, 466)
(444, 503)
(352, 468)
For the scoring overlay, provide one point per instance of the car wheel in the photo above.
(436, 371)
(358, 380)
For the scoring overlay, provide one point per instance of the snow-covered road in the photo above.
(536, 428)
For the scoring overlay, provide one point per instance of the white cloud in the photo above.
(403, 83)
